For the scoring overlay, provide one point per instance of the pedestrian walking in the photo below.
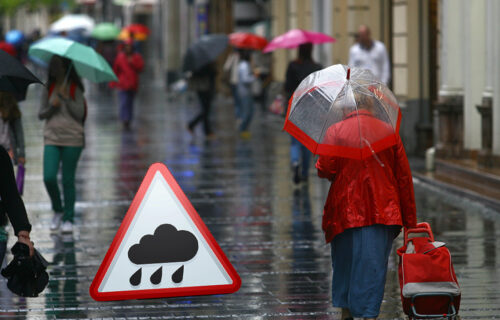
(63, 108)
(230, 70)
(203, 82)
(262, 63)
(244, 90)
(12, 139)
(127, 66)
(296, 71)
(370, 54)
(368, 202)
(12, 206)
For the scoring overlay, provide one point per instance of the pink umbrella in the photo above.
(296, 37)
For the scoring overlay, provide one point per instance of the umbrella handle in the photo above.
(348, 77)
(66, 77)
(374, 154)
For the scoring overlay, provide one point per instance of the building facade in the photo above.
(444, 62)
(468, 113)
(401, 25)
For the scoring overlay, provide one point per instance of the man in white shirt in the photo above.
(370, 54)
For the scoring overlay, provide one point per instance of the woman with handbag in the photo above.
(64, 110)
(246, 78)
(13, 205)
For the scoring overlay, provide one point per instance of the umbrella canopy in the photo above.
(137, 28)
(137, 31)
(345, 112)
(295, 38)
(245, 40)
(15, 37)
(14, 77)
(72, 22)
(126, 35)
(205, 50)
(9, 48)
(105, 31)
(88, 63)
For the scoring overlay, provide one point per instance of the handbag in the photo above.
(20, 178)
(256, 87)
(27, 276)
(277, 106)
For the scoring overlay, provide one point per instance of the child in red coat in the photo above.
(127, 66)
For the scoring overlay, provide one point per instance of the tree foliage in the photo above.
(9, 7)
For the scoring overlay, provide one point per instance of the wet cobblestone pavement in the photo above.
(269, 229)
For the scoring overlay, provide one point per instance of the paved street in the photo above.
(269, 229)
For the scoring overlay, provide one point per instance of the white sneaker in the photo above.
(56, 221)
(67, 227)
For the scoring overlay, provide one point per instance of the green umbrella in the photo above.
(88, 63)
(105, 31)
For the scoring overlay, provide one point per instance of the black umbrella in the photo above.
(205, 50)
(14, 77)
(26, 275)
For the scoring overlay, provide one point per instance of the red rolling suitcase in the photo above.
(429, 287)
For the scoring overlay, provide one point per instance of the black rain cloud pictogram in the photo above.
(166, 245)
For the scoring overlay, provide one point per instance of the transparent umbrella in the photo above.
(345, 112)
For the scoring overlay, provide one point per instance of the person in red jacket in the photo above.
(368, 202)
(127, 66)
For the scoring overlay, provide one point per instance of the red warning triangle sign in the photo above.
(162, 248)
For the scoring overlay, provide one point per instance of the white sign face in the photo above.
(165, 249)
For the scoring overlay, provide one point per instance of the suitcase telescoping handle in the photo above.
(422, 227)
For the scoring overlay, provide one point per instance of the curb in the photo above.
(487, 201)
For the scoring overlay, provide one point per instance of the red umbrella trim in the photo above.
(343, 151)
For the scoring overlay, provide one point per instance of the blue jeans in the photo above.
(359, 262)
(126, 100)
(237, 103)
(246, 103)
(298, 151)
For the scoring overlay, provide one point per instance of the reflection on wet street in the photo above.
(242, 189)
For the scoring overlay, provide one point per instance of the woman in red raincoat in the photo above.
(127, 66)
(368, 202)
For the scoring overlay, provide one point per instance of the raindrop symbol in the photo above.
(135, 279)
(178, 275)
(156, 276)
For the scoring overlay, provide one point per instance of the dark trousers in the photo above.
(205, 98)
(262, 97)
(3, 250)
(126, 100)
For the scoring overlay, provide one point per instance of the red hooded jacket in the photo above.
(375, 190)
(127, 70)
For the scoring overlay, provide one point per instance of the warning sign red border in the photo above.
(163, 292)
